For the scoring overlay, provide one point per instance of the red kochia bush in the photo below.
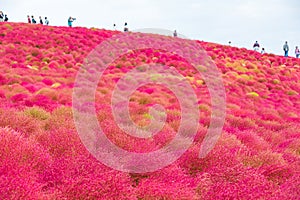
(22, 162)
(168, 183)
(25, 125)
(2, 94)
(2, 79)
(82, 177)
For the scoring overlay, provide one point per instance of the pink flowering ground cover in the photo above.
(42, 157)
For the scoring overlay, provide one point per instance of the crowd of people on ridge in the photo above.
(31, 20)
(286, 49)
(3, 17)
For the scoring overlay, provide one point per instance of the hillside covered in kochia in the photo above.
(42, 157)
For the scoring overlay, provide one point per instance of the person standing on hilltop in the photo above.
(175, 33)
(297, 52)
(46, 21)
(5, 18)
(41, 21)
(286, 49)
(70, 21)
(33, 20)
(256, 46)
(1, 16)
(125, 27)
(28, 18)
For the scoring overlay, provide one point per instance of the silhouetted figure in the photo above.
(5, 18)
(115, 27)
(263, 51)
(70, 21)
(297, 52)
(28, 18)
(256, 46)
(286, 49)
(46, 21)
(1, 16)
(175, 33)
(41, 21)
(33, 20)
(125, 27)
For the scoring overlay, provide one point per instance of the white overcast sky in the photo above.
(271, 22)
